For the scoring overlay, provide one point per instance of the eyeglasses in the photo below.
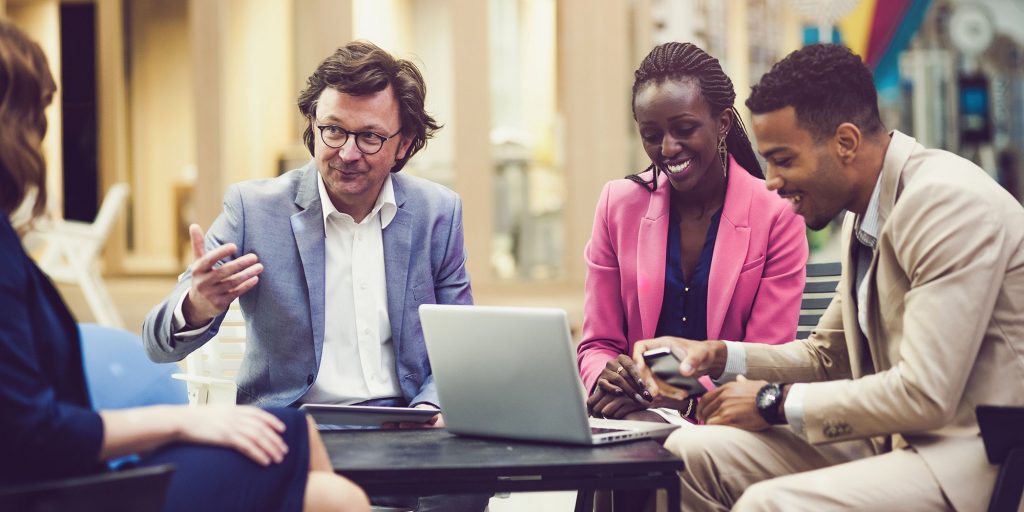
(369, 143)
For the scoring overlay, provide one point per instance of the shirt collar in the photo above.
(385, 204)
(867, 224)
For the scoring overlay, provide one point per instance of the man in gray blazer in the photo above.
(330, 262)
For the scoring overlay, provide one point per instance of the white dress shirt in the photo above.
(867, 236)
(358, 358)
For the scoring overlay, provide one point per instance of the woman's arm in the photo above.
(254, 432)
(604, 332)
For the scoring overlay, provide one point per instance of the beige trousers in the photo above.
(777, 470)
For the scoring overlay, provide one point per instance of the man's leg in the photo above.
(722, 462)
(897, 480)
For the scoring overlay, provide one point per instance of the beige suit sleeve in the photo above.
(946, 253)
(822, 356)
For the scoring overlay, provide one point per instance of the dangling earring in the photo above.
(723, 153)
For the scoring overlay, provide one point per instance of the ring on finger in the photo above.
(621, 370)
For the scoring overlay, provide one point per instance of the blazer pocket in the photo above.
(756, 264)
(423, 292)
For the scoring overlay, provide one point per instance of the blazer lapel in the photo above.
(652, 244)
(308, 229)
(896, 157)
(397, 249)
(731, 246)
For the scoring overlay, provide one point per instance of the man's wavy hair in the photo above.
(361, 68)
(26, 88)
(826, 84)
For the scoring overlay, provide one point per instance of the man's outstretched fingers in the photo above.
(198, 241)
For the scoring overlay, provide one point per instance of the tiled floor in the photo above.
(535, 502)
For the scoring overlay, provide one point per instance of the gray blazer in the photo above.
(281, 221)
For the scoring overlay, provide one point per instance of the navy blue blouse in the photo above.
(684, 310)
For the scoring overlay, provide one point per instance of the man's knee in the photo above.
(759, 497)
(699, 445)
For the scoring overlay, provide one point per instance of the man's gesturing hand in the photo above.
(214, 286)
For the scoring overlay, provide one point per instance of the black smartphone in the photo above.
(665, 365)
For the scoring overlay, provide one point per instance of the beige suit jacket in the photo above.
(945, 323)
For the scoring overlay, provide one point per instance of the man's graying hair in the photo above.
(361, 68)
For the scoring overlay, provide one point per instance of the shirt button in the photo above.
(686, 289)
(366, 331)
(684, 319)
(362, 284)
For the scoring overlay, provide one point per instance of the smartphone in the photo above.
(665, 365)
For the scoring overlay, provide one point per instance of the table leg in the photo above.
(672, 490)
(585, 500)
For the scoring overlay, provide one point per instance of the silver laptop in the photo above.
(511, 373)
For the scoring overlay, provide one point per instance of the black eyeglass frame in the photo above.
(383, 139)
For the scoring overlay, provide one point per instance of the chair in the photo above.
(132, 490)
(72, 250)
(211, 370)
(1002, 431)
(118, 373)
(822, 281)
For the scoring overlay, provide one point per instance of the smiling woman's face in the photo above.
(679, 132)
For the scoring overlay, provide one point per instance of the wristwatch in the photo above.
(769, 403)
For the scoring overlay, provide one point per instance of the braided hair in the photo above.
(674, 61)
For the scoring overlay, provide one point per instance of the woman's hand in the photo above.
(252, 431)
(618, 391)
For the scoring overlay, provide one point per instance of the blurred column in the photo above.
(738, 53)
(112, 118)
(594, 91)
(40, 20)
(321, 26)
(470, 128)
(209, 28)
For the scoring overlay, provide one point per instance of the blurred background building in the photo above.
(181, 98)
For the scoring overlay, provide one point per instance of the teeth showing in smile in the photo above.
(677, 168)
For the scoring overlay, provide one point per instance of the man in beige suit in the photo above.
(928, 321)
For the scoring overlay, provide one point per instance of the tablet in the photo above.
(365, 415)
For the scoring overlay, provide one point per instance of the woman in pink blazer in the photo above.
(695, 246)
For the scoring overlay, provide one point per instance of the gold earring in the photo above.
(723, 153)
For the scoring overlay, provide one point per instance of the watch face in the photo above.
(766, 397)
(768, 401)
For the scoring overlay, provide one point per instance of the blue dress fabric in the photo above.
(684, 309)
(214, 478)
(48, 429)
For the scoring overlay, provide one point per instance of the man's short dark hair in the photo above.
(826, 84)
(361, 68)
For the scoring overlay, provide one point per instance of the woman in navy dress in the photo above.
(226, 458)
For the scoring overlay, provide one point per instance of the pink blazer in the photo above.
(756, 280)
